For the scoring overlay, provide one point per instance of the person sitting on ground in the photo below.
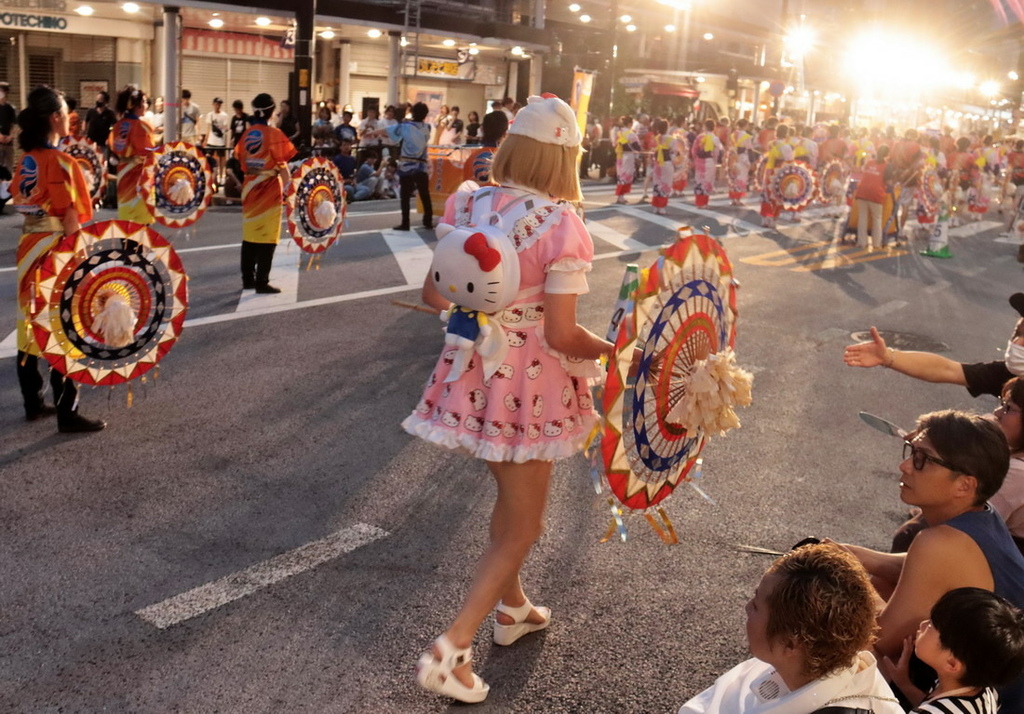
(953, 463)
(974, 641)
(809, 626)
(979, 378)
(367, 178)
(346, 164)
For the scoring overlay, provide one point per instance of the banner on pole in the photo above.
(582, 87)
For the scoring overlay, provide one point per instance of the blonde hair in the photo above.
(546, 168)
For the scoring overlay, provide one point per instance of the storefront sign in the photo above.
(438, 67)
(208, 42)
(36, 22)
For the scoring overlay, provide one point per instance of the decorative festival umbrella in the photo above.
(834, 177)
(114, 298)
(90, 157)
(757, 176)
(316, 205)
(793, 185)
(182, 184)
(683, 319)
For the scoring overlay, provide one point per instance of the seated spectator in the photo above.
(809, 625)
(974, 641)
(980, 378)
(953, 463)
(366, 178)
(233, 179)
(346, 164)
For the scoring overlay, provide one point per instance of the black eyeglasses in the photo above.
(921, 457)
(1007, 407)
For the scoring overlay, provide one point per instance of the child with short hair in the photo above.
(975, 642)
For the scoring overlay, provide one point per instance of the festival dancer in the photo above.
(538, 406)
(627, 145)
(131, 141)
(263, 153)
(680, 153)
(661, 167)
(779, 151)
(963, 171)
(739, 177)
(705, 151)
(52, 195)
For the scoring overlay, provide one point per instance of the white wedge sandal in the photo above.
(436, 674)
(507, 634)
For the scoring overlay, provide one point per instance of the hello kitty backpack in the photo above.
(476, 267)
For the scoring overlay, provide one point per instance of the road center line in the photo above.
(245, 582)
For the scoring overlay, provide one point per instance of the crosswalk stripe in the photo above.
(617, 238)
(413, 255)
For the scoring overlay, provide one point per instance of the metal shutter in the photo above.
(247, 78)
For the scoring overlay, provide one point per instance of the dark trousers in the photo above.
(256, 261)
(418, 181)
(65, 391)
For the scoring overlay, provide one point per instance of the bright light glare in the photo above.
(574, 7)
(708, 36)
(989, 88)
(84, 10)
(630, 28)
(448, 43)
(670, 28)
(626, 18)
(216, 23)
(262, 21)
(1013, 76)
(130, 7)
(897, 65)
(374, 33)
(584, 18)
(474, 51)
(800, 41)
(327, 34)
(517, 50)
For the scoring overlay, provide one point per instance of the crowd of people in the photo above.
(976, 173)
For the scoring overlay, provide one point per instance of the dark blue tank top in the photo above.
(1005, 561)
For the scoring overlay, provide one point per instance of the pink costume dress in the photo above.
(705, 150)
(538, 404)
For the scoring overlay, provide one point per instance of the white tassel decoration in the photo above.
(116, 319)
(325, 214)
(181, 192)
(714, 386)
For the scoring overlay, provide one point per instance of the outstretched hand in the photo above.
(866, 354)
(898, 672)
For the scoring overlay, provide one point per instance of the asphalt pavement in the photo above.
(257, 534)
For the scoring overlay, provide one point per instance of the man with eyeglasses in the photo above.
(979, 378)
(953, 463)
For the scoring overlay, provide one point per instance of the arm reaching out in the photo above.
(919, 365)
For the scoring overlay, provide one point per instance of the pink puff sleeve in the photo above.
(566, 254)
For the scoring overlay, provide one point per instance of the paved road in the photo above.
(264, 475)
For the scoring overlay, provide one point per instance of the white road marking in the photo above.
(616, 238)
(973, 228)
(724, 219)
(888, 307)
(245, 582)
(9, 347)
(936, 287)
(284, 275)
(412, 254)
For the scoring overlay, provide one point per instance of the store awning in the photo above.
(675, 90)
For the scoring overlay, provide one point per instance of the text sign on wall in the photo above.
(38, 22)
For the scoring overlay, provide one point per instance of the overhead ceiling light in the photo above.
(403, 42)
(448, 43)
(84, 10)
(1013, 76)
(374, 33)
(130, 7)
(584, 18)
(262, 21)
(474, 51)
(708, 36)
(327, 34)
(630, 28)
(700, 79)
(517, 50)
(626, 18)
(575, 7)
(216, 23)
(670, 28)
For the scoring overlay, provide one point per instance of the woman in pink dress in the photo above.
(536, 406)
